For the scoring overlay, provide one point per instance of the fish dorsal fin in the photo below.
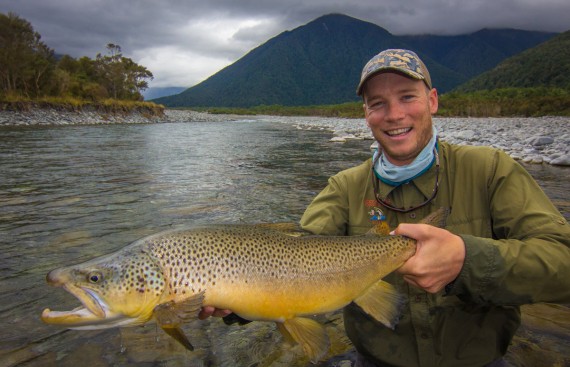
(437, 218)
(383, 302)
(170, 315)
(311, 335)
(380, 228)
(288, 228)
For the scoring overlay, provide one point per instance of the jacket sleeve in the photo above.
(528, 258)
(328, 212)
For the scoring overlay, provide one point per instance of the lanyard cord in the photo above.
(383, 202)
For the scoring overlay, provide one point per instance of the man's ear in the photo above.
(433, 101)
(365, 113)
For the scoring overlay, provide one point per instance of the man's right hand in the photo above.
(208, 311)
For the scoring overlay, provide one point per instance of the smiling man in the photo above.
(505, 243)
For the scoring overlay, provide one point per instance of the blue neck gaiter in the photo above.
(398, 175)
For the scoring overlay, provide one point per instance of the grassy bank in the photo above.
(496, 103)
(526, 102)
(108, 106)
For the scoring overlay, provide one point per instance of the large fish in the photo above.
(256, 271)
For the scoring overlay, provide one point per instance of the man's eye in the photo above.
(375, 105)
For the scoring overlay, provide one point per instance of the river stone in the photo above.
(561, 161)
(540, 140)
(468, 135)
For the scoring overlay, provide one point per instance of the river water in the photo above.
(70, 193)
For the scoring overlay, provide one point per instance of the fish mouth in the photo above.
(94, 310)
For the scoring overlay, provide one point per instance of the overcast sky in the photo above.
(183, 42)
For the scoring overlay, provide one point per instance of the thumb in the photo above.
(403, 229)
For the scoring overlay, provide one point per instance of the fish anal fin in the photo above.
(383, 302)
(437, 218)
(311, 335)
(170, 315)
(286, 334)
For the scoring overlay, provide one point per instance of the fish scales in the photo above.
(256, 271)
(248, 268)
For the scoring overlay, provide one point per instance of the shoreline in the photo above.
(533, 140)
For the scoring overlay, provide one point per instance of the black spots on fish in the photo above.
(139, 274)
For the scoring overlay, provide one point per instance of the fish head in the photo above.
(121, 289)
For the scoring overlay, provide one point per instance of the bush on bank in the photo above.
(108, 106)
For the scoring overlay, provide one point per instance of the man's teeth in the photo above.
(398, 131)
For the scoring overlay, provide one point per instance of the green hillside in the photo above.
(546, 65)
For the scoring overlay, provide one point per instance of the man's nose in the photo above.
(394, 112)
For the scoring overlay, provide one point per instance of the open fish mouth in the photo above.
(93, 312)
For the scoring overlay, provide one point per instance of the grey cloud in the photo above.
(225, 30)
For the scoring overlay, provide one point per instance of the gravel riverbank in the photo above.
(534, 140)
(531, 140)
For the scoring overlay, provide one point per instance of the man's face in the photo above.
(398, 111)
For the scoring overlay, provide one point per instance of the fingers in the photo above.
(438, 260)
(208, 311)
(415, 231)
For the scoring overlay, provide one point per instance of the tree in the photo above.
(122, 77)
(26, 63)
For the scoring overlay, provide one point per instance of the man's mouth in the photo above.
(398, 132)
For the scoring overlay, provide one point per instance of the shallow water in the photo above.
(68, 194)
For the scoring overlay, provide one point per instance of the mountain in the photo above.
(546, 65)
(474, 53)
(320, 63)
(157, 92)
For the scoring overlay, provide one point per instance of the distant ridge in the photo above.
(320, 63)
(546, 65)
(157, 92)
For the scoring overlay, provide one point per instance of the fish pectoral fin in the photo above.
(176, 313)
(170, 315)
(311, 335)
(178, 335)
(383, 302)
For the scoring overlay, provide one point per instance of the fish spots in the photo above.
(197, 259)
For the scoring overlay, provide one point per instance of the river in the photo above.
(70, 193)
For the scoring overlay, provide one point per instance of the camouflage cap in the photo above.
(404, 61)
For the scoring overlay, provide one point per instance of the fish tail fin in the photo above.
(437, 218)
(311, 335)
(383, 302)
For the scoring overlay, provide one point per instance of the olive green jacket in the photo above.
(517, 252)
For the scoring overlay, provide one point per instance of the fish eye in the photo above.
(95, 277)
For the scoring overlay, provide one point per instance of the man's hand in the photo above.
(438, 259)
(208, 311)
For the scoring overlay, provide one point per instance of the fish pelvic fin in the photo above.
(383, 302)
(170, 315)
(179, 336)
(437, 218)
(311, 335)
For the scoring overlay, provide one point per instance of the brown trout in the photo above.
(259, 272)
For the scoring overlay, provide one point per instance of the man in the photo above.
(505, 244)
